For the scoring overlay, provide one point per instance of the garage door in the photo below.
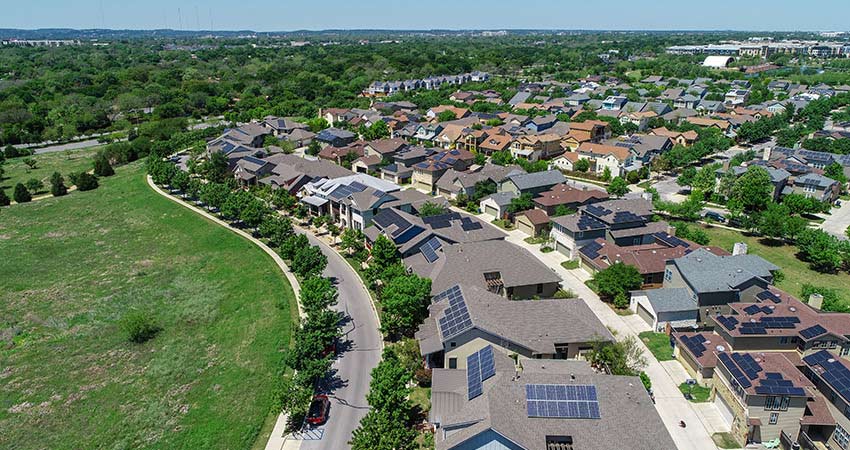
(525, 228)
(724, 409)
(645, 314)
(563, 249)
(492, 211)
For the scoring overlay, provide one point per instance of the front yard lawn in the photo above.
(658, 344)
(698, 393)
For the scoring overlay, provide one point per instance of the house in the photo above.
(722, 125)
(409, 232)
(366, 164)
(638, 119)
(292, 172)
(455, 183)
(384, 148)
(495, 143)
(565, 162)
(496, 408)
(300, 137)
(348, 152)
(533, 222)
(498, 266)
(616, 159)
(622, 221)
(335, 137)
(541, 123)
(590, 130)
(496, 205)
(282, 126)
(614, 103)
(434, 113)
(536, 147)
(351, 201)
(737, 97)
(336, 115)
(688, 101)
(710, 107)
(829, 375)
(507, 327)
(427, 132)
(778, 177)
(815, 186)
(532, 183)
(650, 259)
(250, 169)
(426, 173)
(569, 197)
(685, 139)
(644, 148)
(704, 284)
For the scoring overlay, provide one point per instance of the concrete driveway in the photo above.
(360, 352)
(838, 221)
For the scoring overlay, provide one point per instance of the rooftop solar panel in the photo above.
(456, 319)
(562, 401)
(812, 332)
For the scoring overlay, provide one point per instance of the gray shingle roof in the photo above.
(707, 272)
(537, 179)
(671, 300)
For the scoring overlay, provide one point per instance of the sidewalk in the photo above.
(670, 403)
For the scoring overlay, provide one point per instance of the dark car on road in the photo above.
(715, 216)
(318, 412)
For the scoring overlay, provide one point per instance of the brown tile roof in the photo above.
(591, 149)
(563, 194)
(537, 216)
(587, 125)
(706, 122)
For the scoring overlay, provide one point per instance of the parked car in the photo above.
(715, 216)
(318, 412)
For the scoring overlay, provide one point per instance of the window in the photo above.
(845, 351)
(668, 275)
(453, 344)
(776, 403)
(783, 340)
(841, 436)
(452, 363)
(539, 288)
(774, 417)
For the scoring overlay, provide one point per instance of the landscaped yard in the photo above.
(699, 394)
(658, 344)
(796, 272)
(63, 162)
(725, 440)
(71, 269)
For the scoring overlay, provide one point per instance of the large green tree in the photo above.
(617, 279)
(404, 304)
(753, 190)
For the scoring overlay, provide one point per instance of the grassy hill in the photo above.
(71, 268)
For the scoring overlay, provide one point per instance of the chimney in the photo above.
(767, 151)
(740, 248)
(816, 300)
(725, 165)
(671, 230)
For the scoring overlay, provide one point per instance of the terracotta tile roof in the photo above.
(563, 194)
(590, 149)
(537, 216)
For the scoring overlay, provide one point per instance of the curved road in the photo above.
(359, 352)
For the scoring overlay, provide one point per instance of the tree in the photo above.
(623, 357)
(606, 174)
(778, 222)
(836, 172)
(753, 189)
(801, 204)
(384, 252)
(429, 209)
(84, 181)
(253, 213)
(522, 203)
(387, 425)
(4, 199)
(102, 168)
(618, 187)
(705, 178)
(309, 261)
(563, 210)
(404, 301)
(820, 249)
(31, 163)
(57, 185)
(34, 185)
(686, 178)
(234, 204)
(276, 229)
(617, 279)
(317, 293)
(180, 181)
(214, 194)
(582, 165)
(313, 148)
(352, 241)
(291, 245)
(215, 169)
(446, 116)
(21, 194)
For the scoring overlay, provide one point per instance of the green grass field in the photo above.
(72, 267)
(62, 162)
(658, 344)
(698, 393)
(796, 272)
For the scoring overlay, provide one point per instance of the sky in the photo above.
(287, 15)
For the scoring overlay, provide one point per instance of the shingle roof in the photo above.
(707, 272)
(537, 179)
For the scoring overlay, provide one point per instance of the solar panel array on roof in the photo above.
(834, 373)
(467, 224)
(626, 217)
(441, 221)
(767, 295)
(736, 373)
(562, 401)
(748, 365)
(728, 322)
(812, 332)
(671, 240)
(776, 384)
(456, 317)
(429, 249)
(343, 191)
(597, 210)
(254, 160)
(591, 250)
(479, 367)
(387, 218)
(755, 309)
(696, 344)
(586, 222)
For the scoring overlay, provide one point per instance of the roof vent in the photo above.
(830, 360)
(739, 270)
(720, 348)
(792, 309)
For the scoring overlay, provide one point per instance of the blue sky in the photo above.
(283, 15)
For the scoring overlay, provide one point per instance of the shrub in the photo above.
(423, 377)
(647, 383)
(21, 194)
(139, 326)
(84, 181)
(102, 168)
(57, 185)
(4, 199)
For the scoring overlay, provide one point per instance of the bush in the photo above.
(4, 199)
(21, 194)
(102, 168)
(423, 377)
(84, 181)
(647, 383)
(57, 185)
(139, 327)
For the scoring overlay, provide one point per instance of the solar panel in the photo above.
(728, 322)
(767, 295)
(479, 367)
(562, 401)
(734, 370)
(836, 374)
(696, 344)
(429, 249)
(456, 317)
(752, 309)
(591, 250)
(812, 331)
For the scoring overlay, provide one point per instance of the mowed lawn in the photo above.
(72, 267)
(63, 162)
(796, 272)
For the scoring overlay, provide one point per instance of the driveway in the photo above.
(670, 404)
(838, 221)
(360, 352)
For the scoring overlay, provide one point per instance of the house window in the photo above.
(452, 363)
(453, 344)
(844, 351)
(783, 340)
(539, 289)
(774, 417)
(668, 275)
(841, 436)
